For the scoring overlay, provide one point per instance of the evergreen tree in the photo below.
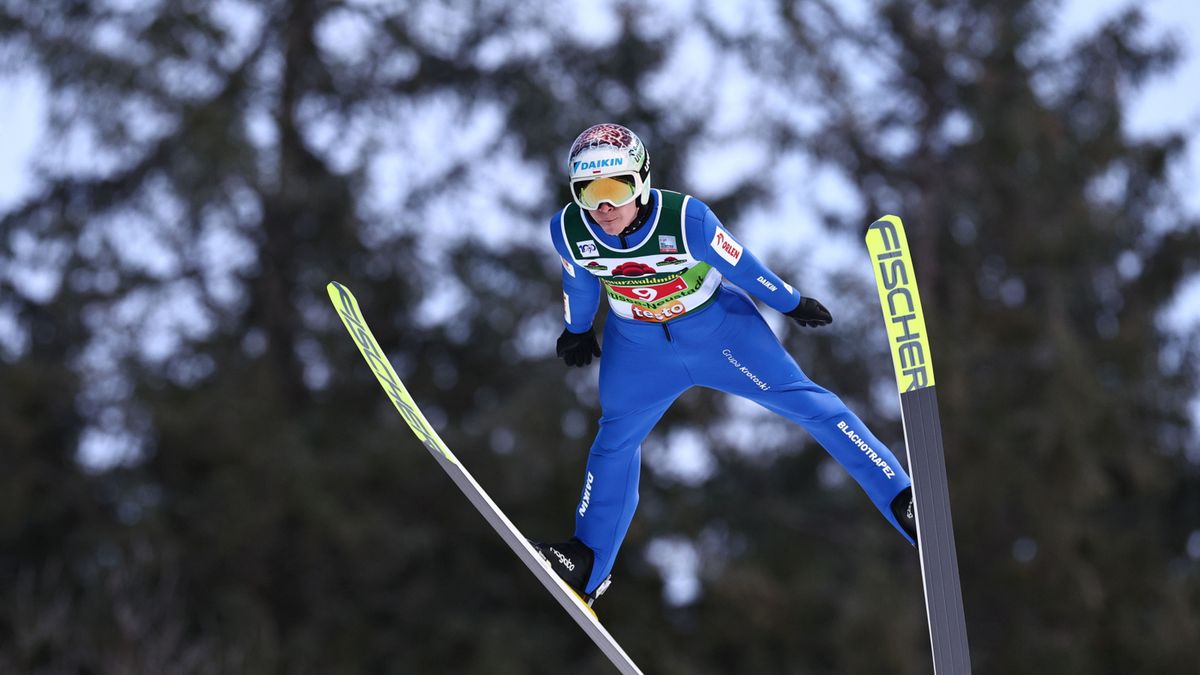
(201, 476)
(1048, 242)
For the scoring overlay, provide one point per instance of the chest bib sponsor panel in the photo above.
(654, 281)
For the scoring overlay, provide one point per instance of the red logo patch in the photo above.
(651, 293)
(632, 269)
(729, 247)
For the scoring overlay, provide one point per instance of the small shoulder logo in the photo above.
(670, 260)
(726, 247)
(595, 266)
(587, 248)
(666, 244)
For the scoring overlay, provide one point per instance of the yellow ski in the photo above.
(347, 308)
(909, 343)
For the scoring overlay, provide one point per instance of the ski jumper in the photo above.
(673, 325)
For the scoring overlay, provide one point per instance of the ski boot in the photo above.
(906, 512)
(572, 562)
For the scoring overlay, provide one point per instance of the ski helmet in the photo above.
(608, 163)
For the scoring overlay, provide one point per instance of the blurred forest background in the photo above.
(200, 475)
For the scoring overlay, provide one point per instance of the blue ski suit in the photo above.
(669, 331)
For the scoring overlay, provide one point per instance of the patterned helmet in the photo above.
(608, 151)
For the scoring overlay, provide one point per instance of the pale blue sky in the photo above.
(1168, 102)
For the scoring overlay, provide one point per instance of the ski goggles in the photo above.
(616, 190)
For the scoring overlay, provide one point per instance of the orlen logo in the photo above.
(726, 247)
(668, 312)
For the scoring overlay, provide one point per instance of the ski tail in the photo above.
(913, 362)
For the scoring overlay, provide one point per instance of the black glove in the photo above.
(577, 349)
(811, 314)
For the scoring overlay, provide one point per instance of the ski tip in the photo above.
(885, 221)
(341, 296)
